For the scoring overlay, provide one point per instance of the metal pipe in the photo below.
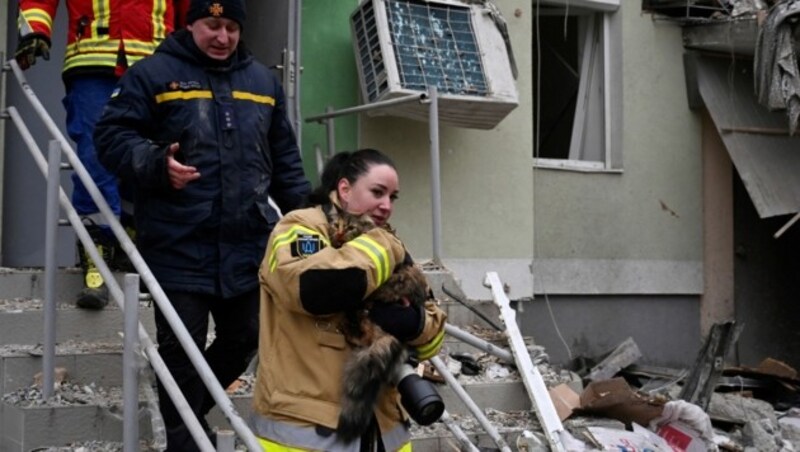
(176, 395)
(330, 131)
(436, 190)
(50, 268)
(163, 303)
(466, 444)
(441, 367)
(479, 343)
(367, 107)
(226, 442)
(151, 350)
(130, 368)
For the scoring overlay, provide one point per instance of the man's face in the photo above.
(217, 37)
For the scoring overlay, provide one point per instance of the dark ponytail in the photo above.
(347, 165)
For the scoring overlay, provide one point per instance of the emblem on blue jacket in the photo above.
(306, 245)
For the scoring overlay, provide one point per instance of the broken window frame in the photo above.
(599, 40)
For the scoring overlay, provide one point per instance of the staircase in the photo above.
(88, 405)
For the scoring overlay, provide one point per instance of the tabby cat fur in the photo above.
(377, 355)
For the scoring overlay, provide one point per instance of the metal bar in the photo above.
(330, 131)
(441, 367)
(151, 350)
(479, 343)
(466, 444)
(50, 268)
(785, 227)
(367, 107)
(176, 395)
(542, 404)
(436, 189)
(130, 368)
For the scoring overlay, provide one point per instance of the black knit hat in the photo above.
(229, 9)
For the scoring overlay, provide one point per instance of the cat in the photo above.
(377, 355)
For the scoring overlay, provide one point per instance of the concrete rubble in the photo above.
(737, 420)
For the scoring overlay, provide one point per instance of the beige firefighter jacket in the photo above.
(302, 356)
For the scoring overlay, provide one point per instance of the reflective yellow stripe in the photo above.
(159, 27)
(287, 238)
(90, 60)
(183, 95)
(102, 10)
(432, 348)
(205, 94)
(378, 254)
(36, 15)
(270, 446)
(242, 95)
(105, 45)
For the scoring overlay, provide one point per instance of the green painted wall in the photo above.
(329, 75)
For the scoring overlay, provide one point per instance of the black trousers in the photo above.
(236, 328)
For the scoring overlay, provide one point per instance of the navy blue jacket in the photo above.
(230, 120)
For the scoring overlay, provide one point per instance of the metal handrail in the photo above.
(160, 298)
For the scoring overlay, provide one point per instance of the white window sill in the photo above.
(574, 165)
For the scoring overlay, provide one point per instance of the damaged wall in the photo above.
(634, 238)
(487, 192)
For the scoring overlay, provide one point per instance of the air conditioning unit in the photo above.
(404, 46)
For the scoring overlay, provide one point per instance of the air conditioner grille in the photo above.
(434, 45)
(369, 51)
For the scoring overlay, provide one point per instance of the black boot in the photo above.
(94, 294)
(121, 261)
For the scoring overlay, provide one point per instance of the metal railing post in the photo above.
(50, 269)
(436, 189)
(441, 367)
(479, 343)
(330, 131)
(130, 365)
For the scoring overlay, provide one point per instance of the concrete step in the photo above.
(22, 322)
(85, 363)
(501, 396)
(58, 423)
(29, 425)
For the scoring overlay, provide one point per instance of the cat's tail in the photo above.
(367, 371)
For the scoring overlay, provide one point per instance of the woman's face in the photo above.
(372, 194)
(217, 37)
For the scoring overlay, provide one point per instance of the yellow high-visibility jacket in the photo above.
(302, 355)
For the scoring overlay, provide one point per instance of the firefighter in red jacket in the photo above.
(104, 37)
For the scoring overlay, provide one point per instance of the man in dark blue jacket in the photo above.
(200, 130)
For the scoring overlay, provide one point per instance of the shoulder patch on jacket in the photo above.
(306, 245)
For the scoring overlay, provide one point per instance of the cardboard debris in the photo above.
(565, 400)
(615, 399)
(776, 368)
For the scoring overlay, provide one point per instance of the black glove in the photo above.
(403, 322)
(31, 46)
